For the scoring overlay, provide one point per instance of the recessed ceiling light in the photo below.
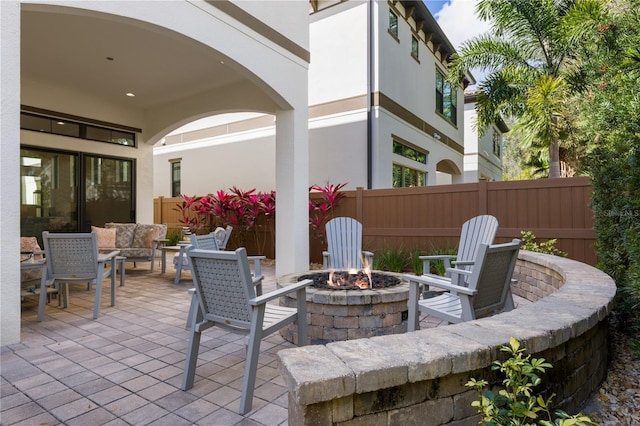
(61, 123)
(131, 95)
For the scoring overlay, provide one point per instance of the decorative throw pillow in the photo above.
(153, 234)
(106, 237)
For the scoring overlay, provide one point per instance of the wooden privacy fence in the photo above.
(430, 218)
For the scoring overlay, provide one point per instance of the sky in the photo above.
(458, 21)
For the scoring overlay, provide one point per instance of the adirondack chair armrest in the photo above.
(463, 262)
(426, 261)
(443, 284)
(437, 257)
(368, 258)
(260, 300)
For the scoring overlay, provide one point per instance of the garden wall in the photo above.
(418, 378)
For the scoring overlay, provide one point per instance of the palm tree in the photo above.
(531, 58)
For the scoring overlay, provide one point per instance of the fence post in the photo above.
(359, 203)
(483, 196)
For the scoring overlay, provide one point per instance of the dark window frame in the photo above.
(446, 98)
(176, 184)
(55, 125)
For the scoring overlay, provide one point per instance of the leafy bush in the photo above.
(173, 238)
(393, 259)
(516, 403)
(548, 247)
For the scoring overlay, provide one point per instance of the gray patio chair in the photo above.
(344, 245)
(475, 231)
(226, 298)
(74, 258)
(210, 242)
(488, 289)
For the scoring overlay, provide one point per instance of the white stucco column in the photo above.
(9, 172)
(292, 190)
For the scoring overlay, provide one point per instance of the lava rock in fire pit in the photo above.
(342, 280)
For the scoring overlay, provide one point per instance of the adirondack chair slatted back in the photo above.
(475, 231)
(344, 243)
(493, 279)
(73, 256)
(223, 281)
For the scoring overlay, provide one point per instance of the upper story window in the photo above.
(393, 24)
(497, 143)
(410, 153)
(446, 98)
(75, 129)
(414, 47)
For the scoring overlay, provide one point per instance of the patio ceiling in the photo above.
(69, 48)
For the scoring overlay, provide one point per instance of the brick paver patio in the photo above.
(125, 368)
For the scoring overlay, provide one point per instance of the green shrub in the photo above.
(393, 259)
(516, 403)
(173, 237)
(549, 247)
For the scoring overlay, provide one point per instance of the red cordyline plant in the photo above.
(242, 210)
(189, 209)
(321, 210)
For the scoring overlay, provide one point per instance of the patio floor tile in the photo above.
(125, 368)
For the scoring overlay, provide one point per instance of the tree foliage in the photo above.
(530, 54)
(611, 117)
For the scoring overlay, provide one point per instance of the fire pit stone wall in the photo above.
(338, 315)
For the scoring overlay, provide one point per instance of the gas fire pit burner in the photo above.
(343, 280)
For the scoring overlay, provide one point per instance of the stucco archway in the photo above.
(181, 60)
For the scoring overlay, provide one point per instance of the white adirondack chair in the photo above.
(344, 245)
(74, 258)
(488, 290)
(225, 293)
(475, 231)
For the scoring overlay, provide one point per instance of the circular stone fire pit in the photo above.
(338, 314)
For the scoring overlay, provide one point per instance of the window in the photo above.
(75, 129)
(446, 98)
(393, 24)
(70, 191)
(404, 177)
(497, 143)
(410, 153)
(175, 178)
(414, 47)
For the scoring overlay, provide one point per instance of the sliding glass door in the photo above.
(108, 191)
(48, 192)
(69, 192)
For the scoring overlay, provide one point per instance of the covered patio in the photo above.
(126, 367)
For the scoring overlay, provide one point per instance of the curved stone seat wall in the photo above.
(418, 378)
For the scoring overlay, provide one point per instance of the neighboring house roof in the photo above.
(425, 21)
